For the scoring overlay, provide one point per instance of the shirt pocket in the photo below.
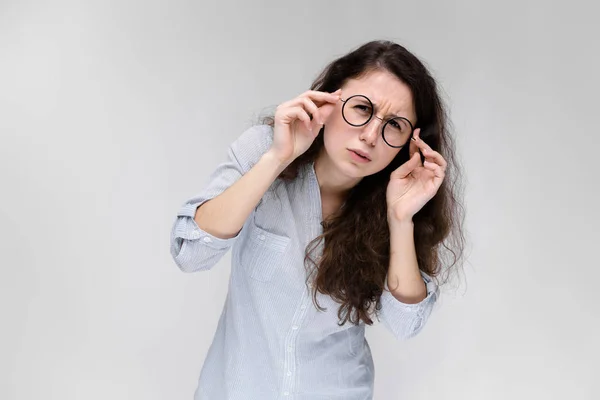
(356, 339)
(349, 338)
(264, 253)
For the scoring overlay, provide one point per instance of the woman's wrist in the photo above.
(277, 163)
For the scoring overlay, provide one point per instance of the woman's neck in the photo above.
(332, 182)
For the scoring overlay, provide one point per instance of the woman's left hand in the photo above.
(414, 183)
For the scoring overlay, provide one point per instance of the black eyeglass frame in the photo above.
(412, 129)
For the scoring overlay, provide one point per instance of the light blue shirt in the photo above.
(271, 341)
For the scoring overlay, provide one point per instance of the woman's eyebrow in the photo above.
(375, 106)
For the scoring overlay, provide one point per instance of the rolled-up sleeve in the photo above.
(406, 320)
(192, 248)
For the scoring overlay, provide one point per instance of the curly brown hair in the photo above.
(356, 250)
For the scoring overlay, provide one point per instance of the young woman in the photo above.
(339, 208)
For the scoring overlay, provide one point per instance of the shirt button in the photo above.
(302, 307)
(207, 239)
(294, 327)
(261, 237)
(290, 348)
(286, 393)
(289, 373)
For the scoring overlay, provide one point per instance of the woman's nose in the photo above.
(371, 131)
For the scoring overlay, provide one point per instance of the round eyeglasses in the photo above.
(358, 110)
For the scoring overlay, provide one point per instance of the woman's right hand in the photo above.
(294, 131)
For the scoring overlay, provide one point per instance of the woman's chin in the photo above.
(353, 170)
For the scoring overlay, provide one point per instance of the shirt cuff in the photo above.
(432, 291)
(187, 228)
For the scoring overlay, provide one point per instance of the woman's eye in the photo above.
(362, 108)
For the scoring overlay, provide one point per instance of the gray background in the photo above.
(112, 113)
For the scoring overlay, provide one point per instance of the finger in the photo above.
(420, 142)
(427, 151)
(327, 108)
(315, 96)
(322, 97)
(405, 169)
(312, 101)
(325, 111)
(438, 173)
(300, 114)
(413, 146)
(434, 156)
(435, 168)
(311, 108)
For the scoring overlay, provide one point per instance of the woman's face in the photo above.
(390, 97)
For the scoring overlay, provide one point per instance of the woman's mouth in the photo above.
(357, 157)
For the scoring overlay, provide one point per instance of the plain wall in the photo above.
(113, 113)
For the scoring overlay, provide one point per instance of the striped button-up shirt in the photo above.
(271, 341)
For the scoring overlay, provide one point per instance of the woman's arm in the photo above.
(404, 277)
(225, 215)
(195, 249)
(408, 303)
(410, 294)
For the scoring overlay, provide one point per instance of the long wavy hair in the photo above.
(356, 248)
